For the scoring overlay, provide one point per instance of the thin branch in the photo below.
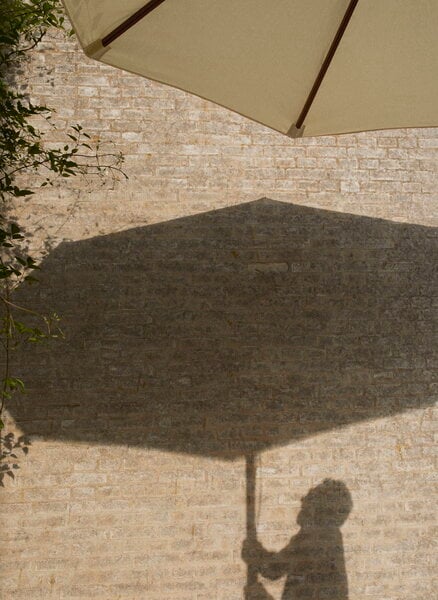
(7, 302)
(7, 352)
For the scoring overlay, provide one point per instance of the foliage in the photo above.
(25, 154)
(10, 445)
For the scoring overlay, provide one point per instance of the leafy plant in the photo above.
(10, 445)
(26, 155)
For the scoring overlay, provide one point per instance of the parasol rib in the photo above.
(297, 127)
(97, 49)
(131, 21)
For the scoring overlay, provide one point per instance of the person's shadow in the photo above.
(313, 561)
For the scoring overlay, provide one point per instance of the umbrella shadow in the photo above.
(231, 331)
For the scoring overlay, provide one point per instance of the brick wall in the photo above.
(242, 294)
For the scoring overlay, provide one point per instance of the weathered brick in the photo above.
(309, 317)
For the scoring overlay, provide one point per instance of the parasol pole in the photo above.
(251, 532)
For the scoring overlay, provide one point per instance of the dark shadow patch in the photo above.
(234, 330)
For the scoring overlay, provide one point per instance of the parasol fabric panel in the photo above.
(261, 58)
(93, 19)
(385, 72)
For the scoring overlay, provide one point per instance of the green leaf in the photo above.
(19, 193)
(29, 279)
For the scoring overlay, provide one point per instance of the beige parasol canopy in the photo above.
(301, 67)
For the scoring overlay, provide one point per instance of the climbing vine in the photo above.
(27, 156)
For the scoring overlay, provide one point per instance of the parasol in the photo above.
(301, 67)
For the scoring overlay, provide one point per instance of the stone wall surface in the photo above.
(241, 295)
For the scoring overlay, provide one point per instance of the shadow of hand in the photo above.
(251, 550)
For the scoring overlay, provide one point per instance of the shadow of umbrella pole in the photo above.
(251, 533)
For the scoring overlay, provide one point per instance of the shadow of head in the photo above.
(326, 505)
(234, 330)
